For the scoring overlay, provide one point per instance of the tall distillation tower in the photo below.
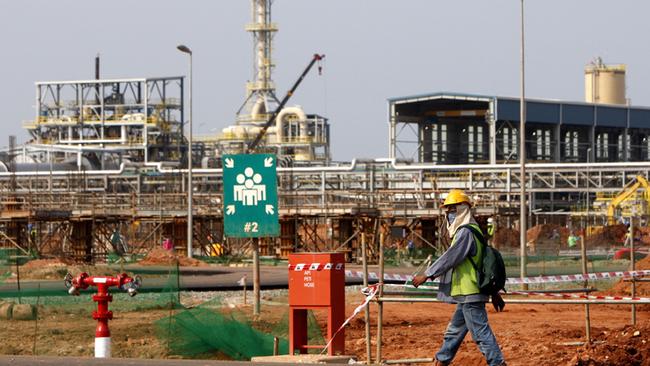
(260, 93)
(296, 135)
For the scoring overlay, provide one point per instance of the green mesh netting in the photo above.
(220, 327)
(170, 323)
(6, 255)
(197, 331)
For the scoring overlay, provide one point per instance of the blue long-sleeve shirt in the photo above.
(464, 245)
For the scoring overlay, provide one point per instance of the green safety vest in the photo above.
(464, 278)
(572, 241)
(490, 229)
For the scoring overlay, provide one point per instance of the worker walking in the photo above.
(628, 235)
(459, 285)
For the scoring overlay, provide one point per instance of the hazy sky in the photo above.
(374, 50)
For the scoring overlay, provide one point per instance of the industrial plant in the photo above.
(112, 175)
(115, 151)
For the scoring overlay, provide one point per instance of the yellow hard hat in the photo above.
(455, 197)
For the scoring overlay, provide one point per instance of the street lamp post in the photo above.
(188, 51)
(522, 157)
(583, 251)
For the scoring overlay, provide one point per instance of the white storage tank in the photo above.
(604, 83)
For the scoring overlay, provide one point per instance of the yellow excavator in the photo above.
(628, 191)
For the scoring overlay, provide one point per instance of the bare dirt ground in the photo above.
(159, 256)
(528, 334)
(64, 334)
(55, 269)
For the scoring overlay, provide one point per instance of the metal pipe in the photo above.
(279, 120)
(409, 360)
(145, 126)
(95, 141)
(380, 306)
(348, 168)
(65, 173)
(529, 301)
(426, 293)
(367, 306)
(190, 226)
(632, 265)
(636, 279)
(488, 167)
(408, 293)
(583, 255)
(190, 188)
(586, 290)
(522, 158)
(276, 346)
(103, 82)
(256, 276)
(352, 166)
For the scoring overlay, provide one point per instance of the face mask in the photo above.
(451, 216)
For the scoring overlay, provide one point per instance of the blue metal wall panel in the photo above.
(573, 114)
(536, 112)
(507, 110)
(639, 118)
(542, 112)
(611, 117)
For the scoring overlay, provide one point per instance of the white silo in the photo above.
(604, 83)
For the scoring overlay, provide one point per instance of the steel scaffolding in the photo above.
(321, 208)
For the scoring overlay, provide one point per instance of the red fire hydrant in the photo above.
(102, 297)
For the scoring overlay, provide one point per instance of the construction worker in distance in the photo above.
(459, 285)
(491, 228)
(628, 235)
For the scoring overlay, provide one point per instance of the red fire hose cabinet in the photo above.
(316, 282)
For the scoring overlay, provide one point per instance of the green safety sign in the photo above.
(250, 196)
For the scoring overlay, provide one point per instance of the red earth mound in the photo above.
(607, 236)
(625, 346)
(644, 234)
(553, 235)
(547, 231)
(506, 238)
(623, 288)
(40, 263)
(160, 256)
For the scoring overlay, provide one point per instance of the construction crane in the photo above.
(629, 190)
(253, 144)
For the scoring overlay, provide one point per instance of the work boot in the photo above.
(440, 363)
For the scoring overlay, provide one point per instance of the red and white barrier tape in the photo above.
(421, 287)
(370, 292)
(519, 280)
(578, 277)
(509, 281)
(579, 296)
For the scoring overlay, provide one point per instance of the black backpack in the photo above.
(492, 274)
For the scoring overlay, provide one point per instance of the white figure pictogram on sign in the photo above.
(248, 189)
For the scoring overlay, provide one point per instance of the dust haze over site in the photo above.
(374, 50)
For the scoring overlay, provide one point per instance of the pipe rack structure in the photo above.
(321, 208)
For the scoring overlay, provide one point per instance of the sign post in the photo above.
(250, 203)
